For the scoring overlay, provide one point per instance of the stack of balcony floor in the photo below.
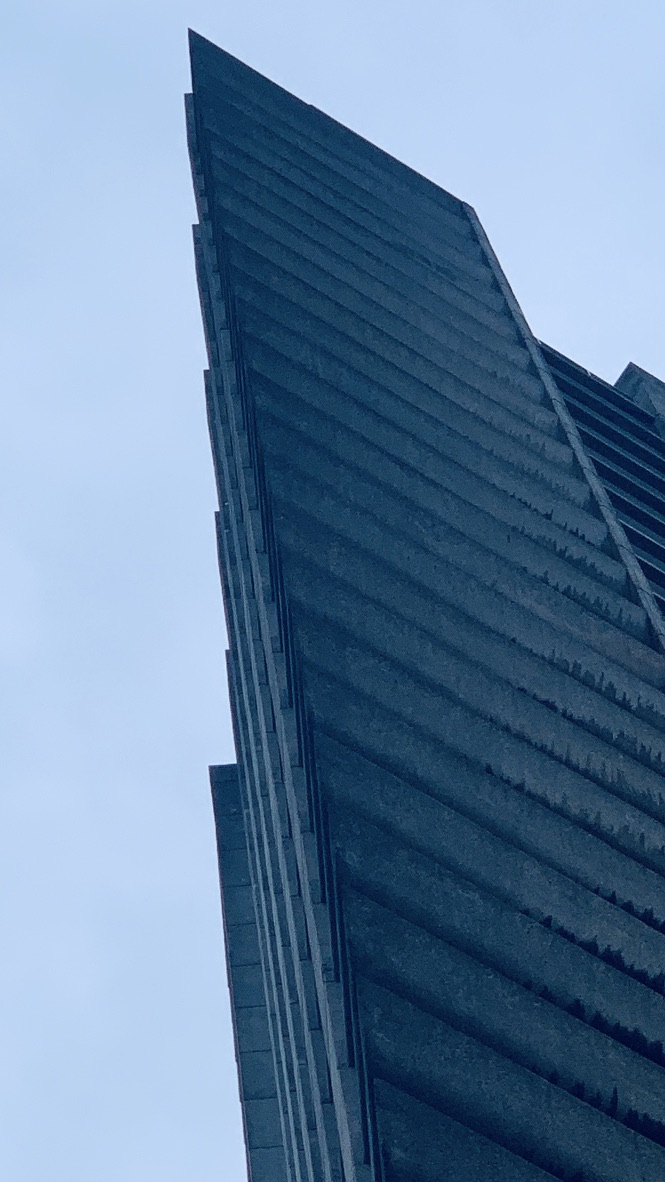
(442, 850)
(628, 451)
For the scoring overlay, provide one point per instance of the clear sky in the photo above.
(548, 118)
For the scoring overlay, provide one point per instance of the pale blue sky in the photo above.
(548, 118)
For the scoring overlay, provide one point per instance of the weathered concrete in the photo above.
(499, 1098)
(447, 1151)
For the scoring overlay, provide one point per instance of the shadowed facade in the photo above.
(442, 847)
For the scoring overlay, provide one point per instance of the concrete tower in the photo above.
(442, 847)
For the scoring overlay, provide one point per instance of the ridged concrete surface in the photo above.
(447, 685)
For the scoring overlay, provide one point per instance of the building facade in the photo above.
(442, 552)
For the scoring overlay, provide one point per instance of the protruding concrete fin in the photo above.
(254, 1042)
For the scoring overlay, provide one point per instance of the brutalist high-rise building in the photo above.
(443, 554)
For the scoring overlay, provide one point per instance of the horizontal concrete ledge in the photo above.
(226, 78)
(486, 926)
(422, 1144)
(514, 1021)
(348, 670)
(437, 238)
(470, 1083)
(420, 811)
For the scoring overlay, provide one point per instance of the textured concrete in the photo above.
(442, 850)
